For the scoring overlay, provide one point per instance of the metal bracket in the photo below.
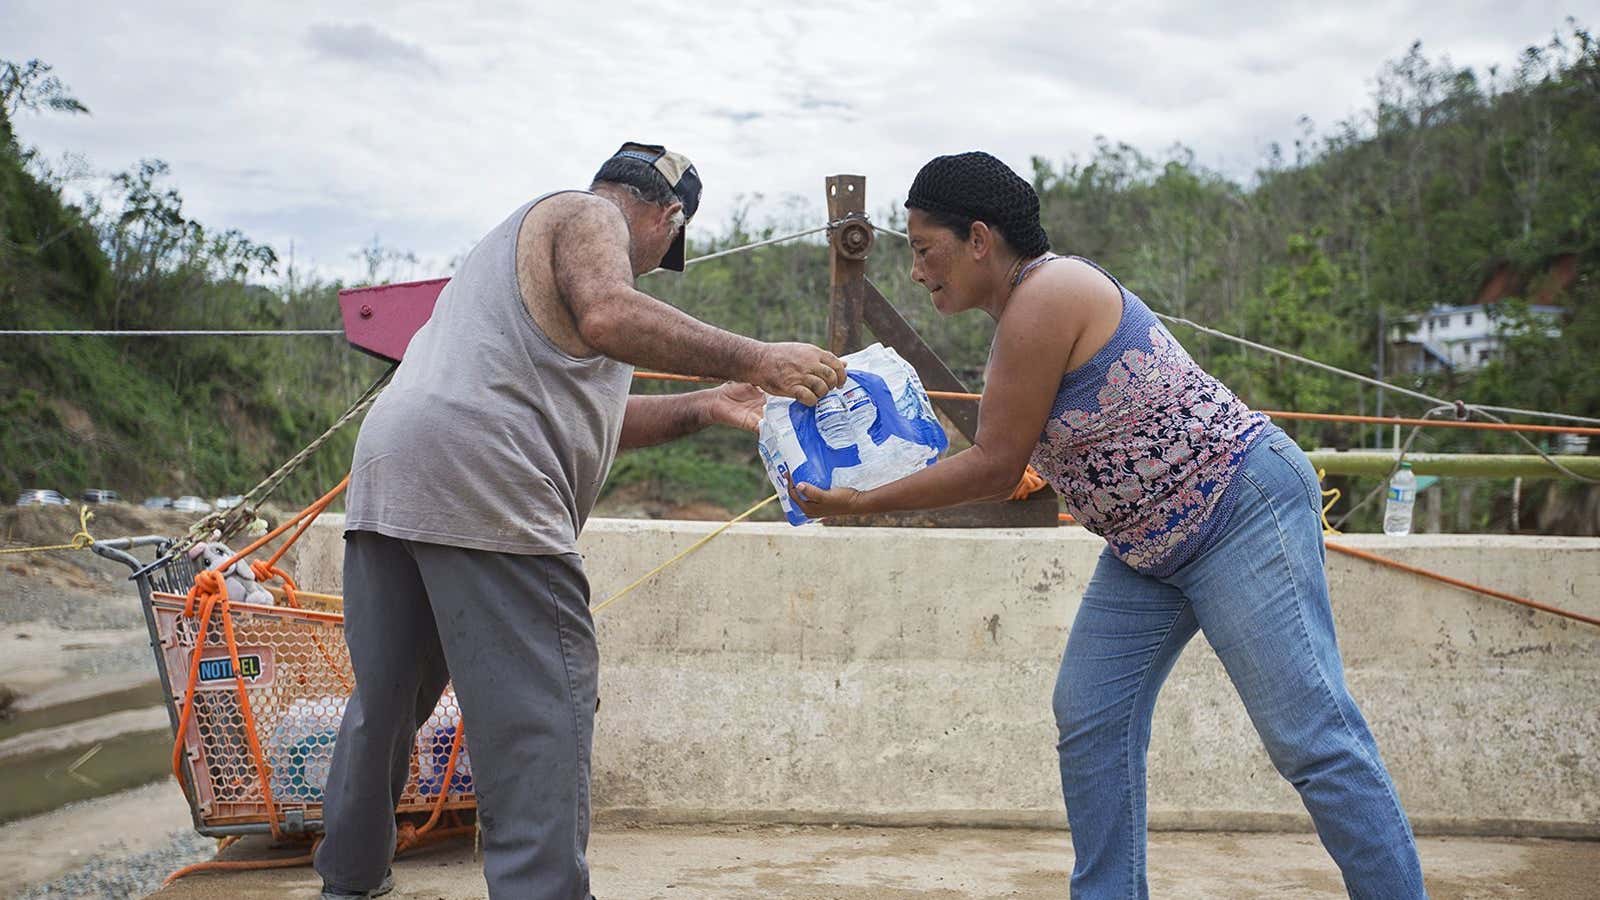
(852, 235)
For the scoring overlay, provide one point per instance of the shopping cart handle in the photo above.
(113, 548)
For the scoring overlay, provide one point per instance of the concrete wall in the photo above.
(904, 676)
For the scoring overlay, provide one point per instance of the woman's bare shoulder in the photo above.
(1073, 287)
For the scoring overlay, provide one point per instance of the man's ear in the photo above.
(671, 210)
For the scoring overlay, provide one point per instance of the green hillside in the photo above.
(1449, 181)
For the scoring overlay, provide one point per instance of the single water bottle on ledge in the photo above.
(1402, 500)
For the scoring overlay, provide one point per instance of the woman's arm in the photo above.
(1032, 344)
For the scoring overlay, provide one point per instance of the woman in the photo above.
(1211, 516)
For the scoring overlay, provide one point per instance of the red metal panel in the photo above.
(380, 320)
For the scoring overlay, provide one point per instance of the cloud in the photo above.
(737, 116)
(367, 45)
(809, 101)
(323, 134)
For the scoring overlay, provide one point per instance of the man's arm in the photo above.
(658, 419)
(595, 279)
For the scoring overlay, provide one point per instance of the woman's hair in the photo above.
(957, 190)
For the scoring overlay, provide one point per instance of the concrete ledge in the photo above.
(899, 676)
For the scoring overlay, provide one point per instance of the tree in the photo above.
(30, 86)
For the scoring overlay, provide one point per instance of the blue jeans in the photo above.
(1260, 595)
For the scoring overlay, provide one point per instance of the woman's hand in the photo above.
(736, 405)
(821, 503)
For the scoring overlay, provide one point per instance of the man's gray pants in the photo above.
(515, 635)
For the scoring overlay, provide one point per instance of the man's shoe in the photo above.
(329, 892)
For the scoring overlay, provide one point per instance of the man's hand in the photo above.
(800, 371)
(736, 405)
(820, 503)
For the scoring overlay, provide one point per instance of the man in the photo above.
(473, 475)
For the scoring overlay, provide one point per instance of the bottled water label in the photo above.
(876, 428)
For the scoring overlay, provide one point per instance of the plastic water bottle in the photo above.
(1402, 499)
(876, 428)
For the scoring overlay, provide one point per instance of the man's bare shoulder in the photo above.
(568, 228)
(577, 212)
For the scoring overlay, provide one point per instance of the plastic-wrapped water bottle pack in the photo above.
(876, 428)
(433, 754)
(301, 748)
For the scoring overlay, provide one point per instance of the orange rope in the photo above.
(667, 376)
(314, 510)
(187, 711)
(409, 839)
(241, 865)
(1464, 585)
(265, 572)
(1032, 482)
(212, 592)
(308, 516)
(263, 771)
(1279, 414)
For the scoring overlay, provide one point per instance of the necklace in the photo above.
(1011, 276)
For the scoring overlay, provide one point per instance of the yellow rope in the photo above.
(1333, 495)
(333, 601)
(80, 541)
(595, 610)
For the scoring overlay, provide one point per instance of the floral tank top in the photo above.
(1143, 444)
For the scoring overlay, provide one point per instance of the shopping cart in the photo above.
(295, 672)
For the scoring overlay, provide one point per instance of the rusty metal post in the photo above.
(890, 327)
(852, 300)
(851, 239)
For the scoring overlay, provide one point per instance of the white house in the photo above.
(1458, 338)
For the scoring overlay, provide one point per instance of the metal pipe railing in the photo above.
(1378, 464)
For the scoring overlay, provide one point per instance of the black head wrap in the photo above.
(979, 187)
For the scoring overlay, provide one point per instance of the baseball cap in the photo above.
(684, 180)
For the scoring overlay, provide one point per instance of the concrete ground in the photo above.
(848, 863)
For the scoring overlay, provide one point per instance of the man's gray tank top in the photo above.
(489, 437)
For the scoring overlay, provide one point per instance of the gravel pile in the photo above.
(112, 876)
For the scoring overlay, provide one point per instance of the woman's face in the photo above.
(940, 262)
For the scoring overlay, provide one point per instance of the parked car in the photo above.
(230, 501)
(100, 495)
(189, 503)
(157, 503)
(40, 497)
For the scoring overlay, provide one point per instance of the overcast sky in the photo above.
(427, 123)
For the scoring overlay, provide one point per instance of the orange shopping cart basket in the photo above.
(296, 672)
